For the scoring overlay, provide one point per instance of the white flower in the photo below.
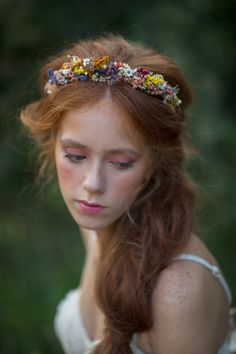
(126, 71)
(65, 71)
(86, 61)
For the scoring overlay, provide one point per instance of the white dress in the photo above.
(73, 336)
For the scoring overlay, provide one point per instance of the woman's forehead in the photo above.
(104, 122)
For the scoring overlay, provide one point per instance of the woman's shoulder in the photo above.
(180, 283)
(186, 311)
(184, 281)
(188, 301)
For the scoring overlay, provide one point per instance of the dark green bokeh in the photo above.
(41, 250)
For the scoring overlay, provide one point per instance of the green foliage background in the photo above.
(41, 252)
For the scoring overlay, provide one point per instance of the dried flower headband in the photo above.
(104, 70)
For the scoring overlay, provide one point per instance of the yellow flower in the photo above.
(101, 62)
(66, 66)
(76, 61)
(79, 70)
(153, 79)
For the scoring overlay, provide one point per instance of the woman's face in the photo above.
(99, 167)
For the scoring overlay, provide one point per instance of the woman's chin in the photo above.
(93, 222)
(90, 224)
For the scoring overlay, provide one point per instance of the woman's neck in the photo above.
(106, 239)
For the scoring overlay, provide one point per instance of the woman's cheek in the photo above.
(127, 184)
(66, 174)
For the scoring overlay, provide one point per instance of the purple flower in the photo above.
(52, 77)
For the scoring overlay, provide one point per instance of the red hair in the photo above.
(160, 221)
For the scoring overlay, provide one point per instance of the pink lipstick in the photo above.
(91, 208)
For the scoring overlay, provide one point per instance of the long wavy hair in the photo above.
(161, 219)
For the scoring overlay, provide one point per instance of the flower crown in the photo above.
(104, 70)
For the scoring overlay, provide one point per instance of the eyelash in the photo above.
(123, 165)
(119, 165)
(72, 157)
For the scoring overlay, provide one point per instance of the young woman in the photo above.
(112, 122)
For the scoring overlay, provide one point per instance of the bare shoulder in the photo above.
(189, 311)
(182, 284)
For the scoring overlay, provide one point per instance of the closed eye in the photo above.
(75, 158)
(123, 165)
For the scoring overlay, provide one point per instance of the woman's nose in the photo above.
(93, 181)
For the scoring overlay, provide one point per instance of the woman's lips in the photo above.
(90, 207)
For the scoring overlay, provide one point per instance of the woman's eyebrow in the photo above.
(74, 143)
(123, 150)
(71, 142)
